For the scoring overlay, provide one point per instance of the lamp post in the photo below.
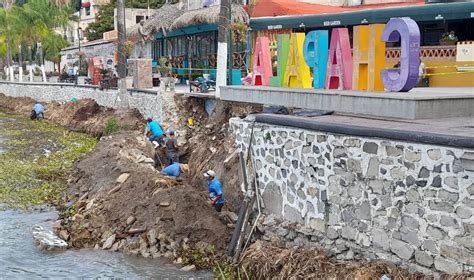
(79, 31)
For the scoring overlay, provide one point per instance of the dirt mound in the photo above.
(118, 195)
(83, 115)
(268, 261)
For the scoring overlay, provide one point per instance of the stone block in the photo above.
(430, 245)
(397, 173)
(434, 154)
(448, 196)
(352, 142)
(436, 183)
(451, 182)
(470, 189)
(394, 151)
(435, 233)
(380, 239)
(410, 222)
(373, 167)
(401, 249)
(293, 215)
(349, 233)
(424, 173)
(457, 254)
(464, 212)
(467, 160)
(447, 266)
(273, 199)
(412, 156)
(424, 258)
(317, 224)
(370, 148)
(410, 236)
(448, 221)
(441, 206)
(465, 241)
(142, 73)
(413, 195)
(363, 211)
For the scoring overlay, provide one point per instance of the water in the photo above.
(19, 258)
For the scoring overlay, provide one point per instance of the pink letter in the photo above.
(262, 65)
(339, 67)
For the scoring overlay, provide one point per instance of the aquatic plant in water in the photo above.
(38, 157)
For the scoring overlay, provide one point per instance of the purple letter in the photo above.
(406, 30)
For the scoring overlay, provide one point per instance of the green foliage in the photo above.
(105, 17)
(29, 175)
(111, 126)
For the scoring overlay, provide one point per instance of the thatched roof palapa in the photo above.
(208, 16)
(161, 20)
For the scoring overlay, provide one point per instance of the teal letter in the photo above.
(316, 55)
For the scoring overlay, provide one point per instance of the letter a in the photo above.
(368, 57)
(297, 73)
(262, 65)
(316, 55)
(406, 30)
(339, 67)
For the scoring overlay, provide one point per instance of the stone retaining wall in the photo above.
(149, 103)
(379, 199)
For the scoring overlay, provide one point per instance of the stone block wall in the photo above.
(405, 202)
(149, 103)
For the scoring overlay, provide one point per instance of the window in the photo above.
(88, 11)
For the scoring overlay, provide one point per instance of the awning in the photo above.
(86, 4)
(431, 12)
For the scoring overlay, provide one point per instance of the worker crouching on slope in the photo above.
(214, 187)
(175, 169)
(154, 131)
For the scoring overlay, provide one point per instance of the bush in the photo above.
(111, 126)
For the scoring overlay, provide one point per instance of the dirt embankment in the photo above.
(83, 115)
(121, 202)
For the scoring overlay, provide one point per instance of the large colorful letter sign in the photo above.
(283, 44)
(297, 73)
(368, 56)
(316, 55)
(262, 65)
(339, 67)
(406, 30)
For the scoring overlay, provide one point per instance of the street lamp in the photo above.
(79, 31)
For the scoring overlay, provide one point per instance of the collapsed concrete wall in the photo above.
(149, 103)
(404, 202)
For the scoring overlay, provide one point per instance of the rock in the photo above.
(434, 154)
(137, 230)
(109, 242)
(423, 258)
(115, 189)
(430, 245)
(370, 148)
(410, 222)
(464, 212)
(231, 216)
(436, 182)
(448, 196)
(401, 249)
(435, 232)
(90, 204)
(373, 167)
(447, 266)
(458, 254)
(178, 261)
(131, 220)
(165, 204)
(47, 240)
(451, 182)
(413, 195)
(349, 233)
(397, 173)
(151, 236)
(380, 239)
(189, 268)
(441, 206)
(363, 211)
(470, 189)
(122, 178)
(465, 241)
(394, 151)
(115, 247)
(413, 156)
(57, 226)
(448, 221)
(424, 173)
(467, 160)
(64, 235)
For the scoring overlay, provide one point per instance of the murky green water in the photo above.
(34, 157)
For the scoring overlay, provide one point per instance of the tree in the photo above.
(104, 20)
